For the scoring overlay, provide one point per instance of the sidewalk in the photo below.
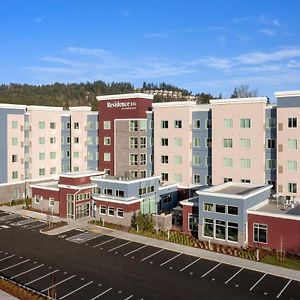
(227, 259)
(5, 296)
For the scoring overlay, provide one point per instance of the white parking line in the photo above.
(58, 283)
(7, 257)
(283, 289)
(128, 297)
(118, 246)
(105, 242)
(26, 271)
(135, 250)
(211, 270)
(152, 254)
(193, 262)
(240, 270)
(257, 282)
(20, 263)
(81, 287)
(170, 259)
(98, 296)
(34, 280)
(35, 226)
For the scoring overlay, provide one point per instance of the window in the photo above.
(177, 142)
(42, 171)
(271, 164)
(108, 192)
(164, 124)
(271, 144)
(151, 141)
(76, 140)
(68, 154)
(120, 193)
(111, 211)
(42, 125)
(143, 174)
(196, 178)
(133, 142)
(52, 155)
(271, 123)
(14, 124)
(14, 174)
(164, 159)
(143, 141)
(76, 154)
(177, 124)
(227, 143)
(133, 125)
(76, 125)
(90, 125)
(41, 155)
(15, 194)
(208, 180)
(68, 140)
(52, 170)
(196, 142)
(178, 178)
(51, 201)
(14, 141)
(14, 158)
(227, 162)
(292, 187)
(106, 140)
(208, 228)
(196, 124)
(227, 179)
(208, 124)
(53, 140)
(292, 122)
(233, 210)
(196, 160)
(228, 123)
(102, 210)
(143, 159)
(177, 159)
(220, 230)
(208, 160)
(133, 174)
(106, 156)
(260, 233)
(106, 125)
(52, 125)
(208, 142)
(245, 143)
(41, 140)
(133, 159)
(164, 142)
(193, 222)
(143, 125)
(120, 212)
(68, 125)
(208, 207)
(292, 165)
(232, 231)
(245, 163)
(292, 144)
(245, 180)
(36, 199)
(220, 208)
(245, 123)
(164, 176)
(90, 155)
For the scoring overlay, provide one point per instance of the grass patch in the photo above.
(54, 226)
(287, 263)
(107, 225)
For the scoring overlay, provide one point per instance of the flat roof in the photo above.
(114, 179)
(82, 173)
(249, 100)
(125, 96)
(295, 93)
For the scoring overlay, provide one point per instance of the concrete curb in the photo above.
(5, 296)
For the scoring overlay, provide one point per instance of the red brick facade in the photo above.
(186, 210)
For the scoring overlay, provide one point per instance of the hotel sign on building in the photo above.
(122, 105)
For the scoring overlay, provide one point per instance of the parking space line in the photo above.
(240, 270)
(26, 271)
(105, 242)
(211, 270)
(119, 246)
(35, 226)
(258, 281)
(193, 262)
(37, 279)
(58, 283)
(20, 263)
(135, 250)
(170, 259)
(128, 297)
(152, 254)
(283, 289)
(81, 287)
(7, 257)
(98, 296)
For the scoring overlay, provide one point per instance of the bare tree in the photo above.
(243, 91)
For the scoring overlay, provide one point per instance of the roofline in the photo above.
(175, 104)
(114, 180)
(128, 202)
(80, 108)
(273, 215)
(12, 106)
(48, 108)
(280, 94)
(240, 100)
(89, 173)
(125, 96)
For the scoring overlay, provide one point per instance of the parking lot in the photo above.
(121, 256)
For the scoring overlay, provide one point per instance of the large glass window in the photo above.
(232, 231)
(233, 210)
(220, 208)
(208, 227)
(260, 233)
(193, 222)
(111, 211)
(220, 230)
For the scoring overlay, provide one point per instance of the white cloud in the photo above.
(95, 52)
(268, 31)
(39, 19)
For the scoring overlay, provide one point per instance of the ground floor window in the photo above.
(51, 201)
(82, 210)
(193, 222)
(260, 233)
(120, 213)
(111, 211)
(70, 210)
(148, 205)
(208, 230)
(36, 199)
(102, 210)
(232, 231)
(220, 230)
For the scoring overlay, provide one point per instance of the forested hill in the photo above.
(79, 94)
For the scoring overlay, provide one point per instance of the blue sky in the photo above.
(210, 46)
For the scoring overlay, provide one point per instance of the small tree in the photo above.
(243, 92)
